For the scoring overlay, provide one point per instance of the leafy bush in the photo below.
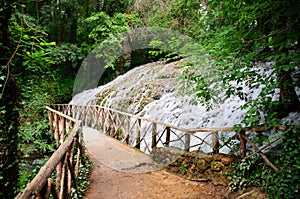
(282, 183)
(285, 182)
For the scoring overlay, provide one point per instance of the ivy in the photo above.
(282, 183)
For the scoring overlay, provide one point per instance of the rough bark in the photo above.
(289, 101)
(8, 111)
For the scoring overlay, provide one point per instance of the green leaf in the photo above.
(26, 37)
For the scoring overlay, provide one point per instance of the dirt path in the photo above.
(107, 183)
(121, 172)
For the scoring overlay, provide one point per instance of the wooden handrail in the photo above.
(61, 114)
(190, 131)
(116, 123)
(110, 123)
(36, 185)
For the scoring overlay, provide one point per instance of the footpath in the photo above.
(121, 172)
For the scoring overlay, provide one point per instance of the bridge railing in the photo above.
(146, 134)
(59, 175)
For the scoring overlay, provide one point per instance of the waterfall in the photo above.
(150, 91)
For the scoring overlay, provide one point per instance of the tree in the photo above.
(8, 109)
(237, 37)
(241, 35)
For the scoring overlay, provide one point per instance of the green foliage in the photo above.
(36, 136)
(44, 69)
(36, 81)
(106, 37)
(8, 108)
(239, 41)
(67, 54)
(282, 183)
(83, 178)
(182, 169)
(27, 174)
(237, 38)
(101, 26)
(285, 183)
(180, 15)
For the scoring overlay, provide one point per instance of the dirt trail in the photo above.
(121, 172)
(107, 183)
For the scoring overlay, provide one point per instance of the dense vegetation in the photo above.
(43, 43)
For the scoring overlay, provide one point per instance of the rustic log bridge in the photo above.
(130, 129)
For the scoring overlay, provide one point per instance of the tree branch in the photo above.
(12, 56)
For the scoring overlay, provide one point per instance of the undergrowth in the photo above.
(27, 174)
(281, 183)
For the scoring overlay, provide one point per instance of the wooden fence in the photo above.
(66, 121)
(145, 134)
(64, 163)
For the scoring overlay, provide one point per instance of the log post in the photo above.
(96, 117)
(270, 164)
(187, 141)
(69, 179)
(168, 135)
(110, 128)
(127, 133)
(102, 119)
(91, 116)
(48, 189)
(56, 131)
(71, 111)
(154, 130)
(116, 126)
(77, 160)
(63, 179)
(215, 142)
(50, 117)
(64, 127)
(82, 116)
(242, 144)
(53, 188)
(138, 135)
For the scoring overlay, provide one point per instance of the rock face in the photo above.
(196, 166)
(139, 87)
(151, 91)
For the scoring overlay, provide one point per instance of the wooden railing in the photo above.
(145, 134)
(66, 121)
(64, 163)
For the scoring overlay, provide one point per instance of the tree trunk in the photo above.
(8, 139)
(8, 112)
(59, 23)
(289, 101)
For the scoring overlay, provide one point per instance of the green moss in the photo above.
(216, 166)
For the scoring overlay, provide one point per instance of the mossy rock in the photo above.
(216, 165)
(219, 178)
(202, 165)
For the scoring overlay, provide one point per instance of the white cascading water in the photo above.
(149, 91)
